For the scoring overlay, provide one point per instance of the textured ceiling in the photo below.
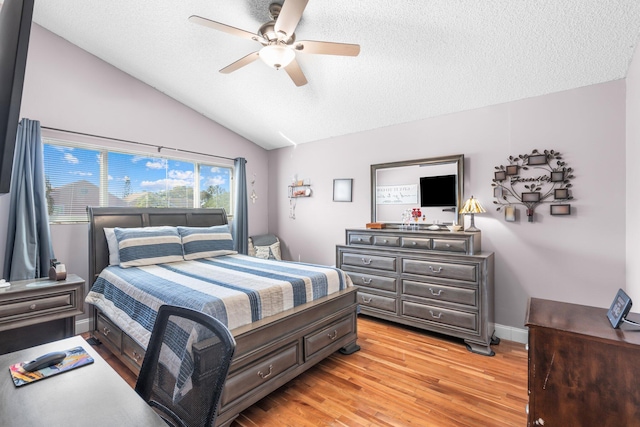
(418, 58)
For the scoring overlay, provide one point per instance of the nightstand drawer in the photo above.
(37, 306)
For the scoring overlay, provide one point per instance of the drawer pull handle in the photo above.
(32, 306)
(434, 316)
(434, 270)
(267, 375)
(366, 262)
(334, 335)
(436, 294)
(359, 239)
(448, 245)
(136, 356)
(366, 281)
(365, 300)
(105, 331)
(385, 241)
(414, 243)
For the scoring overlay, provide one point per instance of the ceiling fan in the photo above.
(279, 45)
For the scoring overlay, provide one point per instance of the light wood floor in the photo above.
(400, 377)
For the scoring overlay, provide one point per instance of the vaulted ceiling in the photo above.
(418, 58)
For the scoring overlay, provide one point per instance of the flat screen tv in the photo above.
(15, 28)
(438, 191)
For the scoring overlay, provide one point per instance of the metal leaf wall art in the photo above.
(531, 180)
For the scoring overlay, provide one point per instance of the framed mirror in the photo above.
(435, 185)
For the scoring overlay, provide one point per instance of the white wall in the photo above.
(633, 182)
(578, 258)
(67, 88)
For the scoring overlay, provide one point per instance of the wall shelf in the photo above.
(296, 191)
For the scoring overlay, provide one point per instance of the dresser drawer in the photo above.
(266, 370)
(440, 293)
(445, 316)
(369, 261)
(377, 301)
(108, 331)
(132, 351)
(415, 243)
(386, 241)
(450, 245)
(18, 309)
(371, 281)
(320, 340)
(360, 239)
(440, 269)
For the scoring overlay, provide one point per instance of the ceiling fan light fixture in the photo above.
(276, 56)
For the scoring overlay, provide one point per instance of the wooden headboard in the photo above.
(101, 218)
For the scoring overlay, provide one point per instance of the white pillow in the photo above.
(112, 243)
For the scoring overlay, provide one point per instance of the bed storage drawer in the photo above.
(321, 339)
(445, 316)
(108, 331)
(132, 350)
(375, 282)
(260, 373)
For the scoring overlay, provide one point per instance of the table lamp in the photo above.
(471, 207)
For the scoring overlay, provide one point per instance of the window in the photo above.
(79, 176)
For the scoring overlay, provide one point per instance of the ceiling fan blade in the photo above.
(289, 16)
(240, 63)
(327, 48)
(225, 28)
(296, 74)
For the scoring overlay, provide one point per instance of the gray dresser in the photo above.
(434, 280)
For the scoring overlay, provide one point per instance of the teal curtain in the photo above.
(240, 211)
(29, 246)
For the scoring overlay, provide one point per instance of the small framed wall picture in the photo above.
(562, 209)
(537, 159)
(512, 170)
(557, 176)
(497, 192)
(561, 193)
(531, 196)
(342, 190)
(500, 176)
(510, 213)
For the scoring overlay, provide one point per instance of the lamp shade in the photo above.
(276, 56)
(472, 206)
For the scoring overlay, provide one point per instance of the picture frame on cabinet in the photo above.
(342, 190)
(619, 309)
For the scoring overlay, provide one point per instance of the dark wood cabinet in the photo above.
(39, 311)
(582, 372)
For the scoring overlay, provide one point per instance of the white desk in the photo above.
(93, 395)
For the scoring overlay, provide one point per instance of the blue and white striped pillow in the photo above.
(206, 242)
(148, 245)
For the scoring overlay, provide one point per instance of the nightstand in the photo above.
(38, 311)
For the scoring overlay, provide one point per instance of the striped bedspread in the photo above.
(235, 289)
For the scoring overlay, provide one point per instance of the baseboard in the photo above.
(510, 333)
(82, 326)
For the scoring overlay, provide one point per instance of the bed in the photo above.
(271, 349)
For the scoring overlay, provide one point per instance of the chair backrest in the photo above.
(185, 366)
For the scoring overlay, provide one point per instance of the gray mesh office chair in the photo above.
(185, 391)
